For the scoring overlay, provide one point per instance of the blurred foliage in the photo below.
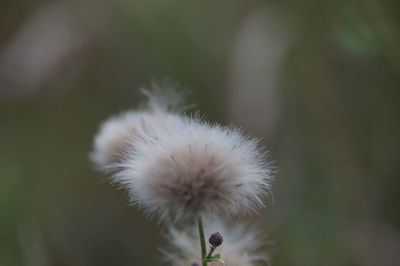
(331, 69)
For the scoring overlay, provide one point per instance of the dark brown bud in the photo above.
(215, 239)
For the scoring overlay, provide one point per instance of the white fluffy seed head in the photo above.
(186, 167)
(241, 247)
(118, 134)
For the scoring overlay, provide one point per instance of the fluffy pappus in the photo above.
(243, 246)
(187, 167)
(118, 134)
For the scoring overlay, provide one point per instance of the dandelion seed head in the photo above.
(187, 167)
(243, 246)
(118, 134)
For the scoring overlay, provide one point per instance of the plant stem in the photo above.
(202, 241)
(211, 251)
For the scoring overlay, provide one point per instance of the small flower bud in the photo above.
(215, 239)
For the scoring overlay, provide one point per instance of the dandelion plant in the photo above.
(182, 168)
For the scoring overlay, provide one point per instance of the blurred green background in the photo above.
(318, 81)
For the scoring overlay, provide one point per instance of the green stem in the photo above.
(211, 251)
(202, 241)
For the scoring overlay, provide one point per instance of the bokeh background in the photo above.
(318, 81)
